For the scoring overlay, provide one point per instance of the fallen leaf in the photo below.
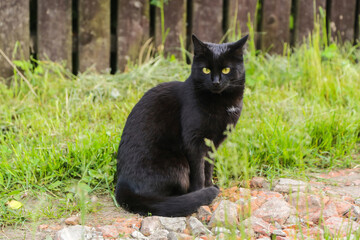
(13, 204)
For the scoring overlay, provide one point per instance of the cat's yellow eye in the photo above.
(206, 70)
(225, 70)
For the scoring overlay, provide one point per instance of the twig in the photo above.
(21, 75)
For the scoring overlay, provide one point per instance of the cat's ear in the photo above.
(237, 47)
(199, 46)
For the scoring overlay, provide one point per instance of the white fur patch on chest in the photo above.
(233, 110)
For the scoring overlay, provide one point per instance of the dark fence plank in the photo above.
(275, 25)
(207, 20)
(94, 34)
(242, 9)
(304, 22)
(132, 29)
(54, 36)
(342, 20)
(175, 20)
(14, 26)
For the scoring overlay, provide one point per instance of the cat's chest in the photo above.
(222, 117)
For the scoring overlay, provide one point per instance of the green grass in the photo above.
(301, 114)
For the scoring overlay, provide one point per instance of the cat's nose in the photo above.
(216, 81)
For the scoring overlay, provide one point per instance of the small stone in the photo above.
(160, 234)
(311, 233)
(290, 232)
(43, 227)
(274, 209)
(305, 203)
(179, 236)
(245, 192)
(56, 227)
(218, 230)
(257, 225)
(277, 225)
(74, 220)
(150, 225)
(177, 224)
(269, 194)
(257, 182)
(279, 233)
(225, 213)
(76, 232)
(292, 220)
(172, 236)
(138, 235)
(329, 211)
(197, 228)
(355, 212)
(340, 226)
(286, 185)
(109, 231)
(348, 199)
(356, 182)
(308, 206)
(281, 238)
(357, 201)
(204, 213)
(342, 207)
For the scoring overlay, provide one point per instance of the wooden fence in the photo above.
(105, 34)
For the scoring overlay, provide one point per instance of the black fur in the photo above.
(161, 165)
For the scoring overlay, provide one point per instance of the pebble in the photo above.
(197, 228)
(160, 234)
(279, 233)
(109, 231)
(225, 213)
(329, 211)
(342, 207)
(73, 220)
(138, 235)
(273, 216)
(257, 182)
(204, 213)
(274, 209)
(179, 236)
(338, 226)
(257, 225)
(177, 224)
(76, 232)
(150, 225)
(286, 185)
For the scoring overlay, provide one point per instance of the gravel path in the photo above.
(327, 205)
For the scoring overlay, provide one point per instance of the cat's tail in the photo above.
(174, 206)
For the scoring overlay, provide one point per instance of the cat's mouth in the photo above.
(217, 89)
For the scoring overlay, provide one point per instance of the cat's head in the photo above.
(218, 67)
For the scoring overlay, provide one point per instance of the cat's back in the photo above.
(165, 96)
(157, 111)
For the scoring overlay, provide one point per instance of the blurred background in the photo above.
(106, 34)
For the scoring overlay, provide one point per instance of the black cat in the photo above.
(161, 166)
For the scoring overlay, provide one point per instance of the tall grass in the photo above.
(301, 113)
